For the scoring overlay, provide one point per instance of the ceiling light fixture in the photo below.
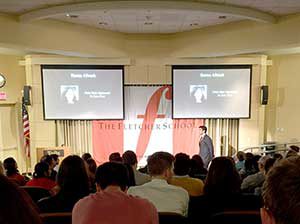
(103, 23)
(72, 16)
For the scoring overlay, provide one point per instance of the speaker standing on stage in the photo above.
(206, 148)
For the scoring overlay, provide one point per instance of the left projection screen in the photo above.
(79, 92)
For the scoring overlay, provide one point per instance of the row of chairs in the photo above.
(227, 217)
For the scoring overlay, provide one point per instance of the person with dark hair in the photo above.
(49, 159)
(197, 168)
(73, 184)
(86, 156)
(129, 157)
(277, 156)
(221, 192)
(249, 166)
(165, 197)
(240, 164)
(16, 206)
(206, 146)
(115, 157)
(281, 193)
(111, 204)
(55, 157)
(222, 178)
(181, 179)
(12, 172)
(41, 177)
(91, 167)
(267, 167)
(255, 180)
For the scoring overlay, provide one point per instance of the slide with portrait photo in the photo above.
(85, 93)
(211, 92)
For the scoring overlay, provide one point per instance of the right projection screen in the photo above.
(211, 91)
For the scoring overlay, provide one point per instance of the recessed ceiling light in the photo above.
(148, 23)
(103, 23)
(72, 16)
(222, 17)
(194, 24)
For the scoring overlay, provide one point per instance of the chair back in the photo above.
(57, 218)
(36, 193)
(171, 218)
(236, 217)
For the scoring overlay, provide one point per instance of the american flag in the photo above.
(26, 130)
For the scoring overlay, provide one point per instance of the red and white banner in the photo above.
(148, 127)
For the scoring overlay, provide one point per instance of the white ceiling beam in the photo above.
(242, 12)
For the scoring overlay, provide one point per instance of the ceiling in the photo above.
(150, 16)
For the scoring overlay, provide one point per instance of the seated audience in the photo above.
(48, 159)
(277, 156)
(73, 184)
(56, 160)
(1, 168)
(249, 166)
(268, 165)
(86, 156)
(221, 192)
(255, 180)
(281, 193)
(222, 178)
(12, 172)
(240, 164)
(115, 157)
(295, 148)
(181, 179)
(131, 179)
(91, 167)
(111, 204)
(197, 169)
(16, 206)
(129, 157)
(41, 177)
(291, 153)
(165, 197)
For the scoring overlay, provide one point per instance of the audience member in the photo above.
(91, 167)
(291, 153)
(255, 180)
(129, 157)
(281, 193)
(49, 159)
(41, 177)
(221, 192)
(240, 164)
(1, 168)
(111, 204)
(131, 179)
(268, 165)
(249, 166)
(222, 178)
(86, 156)
(181, 179)
(295, 148)
(277, 156)
(115, 157)
(12, 172)
(73, 184)
(165, 197)
(56, 160)
(197, 169)
(16, 206)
